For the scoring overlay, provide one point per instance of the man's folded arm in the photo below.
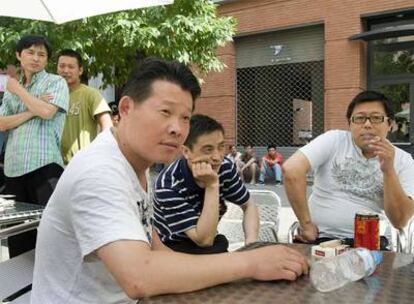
(13, 121)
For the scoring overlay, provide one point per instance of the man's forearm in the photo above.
(176, 269)
(206, 229)
(251, 222)
(295, 187)
(398, 207)
(13, 121)
(204, 271)
(35, 105)
(136, 268)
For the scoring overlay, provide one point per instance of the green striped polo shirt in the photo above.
(35, 143)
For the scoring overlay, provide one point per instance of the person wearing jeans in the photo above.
(271, 165)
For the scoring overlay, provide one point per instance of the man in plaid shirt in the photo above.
(33, 111)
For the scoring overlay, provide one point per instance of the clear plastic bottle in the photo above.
(331, 273)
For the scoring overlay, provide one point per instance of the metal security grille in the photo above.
(281, 104)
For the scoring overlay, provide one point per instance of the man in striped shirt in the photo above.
(33, 163)
(190, 193)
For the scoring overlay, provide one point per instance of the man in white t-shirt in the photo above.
(235, 156)
(355, 170)
(96, 243)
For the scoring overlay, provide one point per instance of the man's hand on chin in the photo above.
(203, 173)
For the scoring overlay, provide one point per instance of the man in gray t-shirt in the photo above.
(354, 170)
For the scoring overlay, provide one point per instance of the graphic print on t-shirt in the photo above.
(145, 211)
(359, 178)
(74, 109)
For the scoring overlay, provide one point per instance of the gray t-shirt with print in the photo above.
(346, 182)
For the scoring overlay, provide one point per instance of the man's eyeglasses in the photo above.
(374, 119)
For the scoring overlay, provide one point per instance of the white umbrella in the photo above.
(60, 11)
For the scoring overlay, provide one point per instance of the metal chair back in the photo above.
(408, 237)
(269, 206)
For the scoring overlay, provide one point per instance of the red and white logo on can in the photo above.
(366, 230)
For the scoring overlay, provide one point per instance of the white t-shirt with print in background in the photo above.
(98, 200)
(345, 182)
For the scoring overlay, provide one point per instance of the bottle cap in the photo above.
(377, 255)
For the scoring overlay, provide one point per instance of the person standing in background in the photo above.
(88, 110)
(33, 111)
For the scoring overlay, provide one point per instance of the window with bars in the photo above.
(280, 87)
(280, 104)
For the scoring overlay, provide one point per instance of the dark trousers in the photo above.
(35, 187)
(220, 245)
(384, 243)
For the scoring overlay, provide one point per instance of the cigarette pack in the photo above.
(329, 249)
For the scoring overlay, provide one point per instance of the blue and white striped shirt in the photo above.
(178, 200)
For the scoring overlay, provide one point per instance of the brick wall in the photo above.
(345, 61)
(218, 97)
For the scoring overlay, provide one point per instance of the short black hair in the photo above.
(71, 53)
(139, 84)
(27, 41)
(201, 125)
(271, 146)
(371, 96)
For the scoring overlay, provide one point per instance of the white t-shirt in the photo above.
(234, 158)
(98, 200)
(346, 182)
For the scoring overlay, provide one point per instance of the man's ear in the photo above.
(126, 105)
(390, 124)
(186, 151)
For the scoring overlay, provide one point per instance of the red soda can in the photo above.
(366, 230)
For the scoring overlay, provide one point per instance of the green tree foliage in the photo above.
(188, 31)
